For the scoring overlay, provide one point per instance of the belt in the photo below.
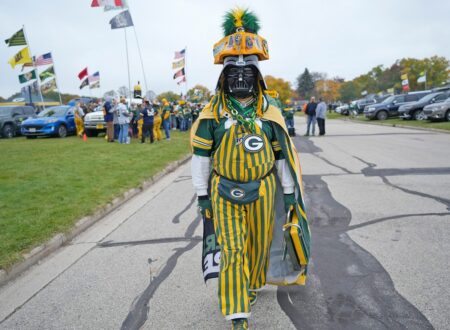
(272, 170)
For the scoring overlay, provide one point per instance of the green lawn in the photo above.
(445, 125)
(47, 184)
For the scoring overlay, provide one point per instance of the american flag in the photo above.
(94, 77)
(44, 59)
(180, 54)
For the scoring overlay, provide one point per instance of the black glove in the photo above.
(205, 206)
(289, 201)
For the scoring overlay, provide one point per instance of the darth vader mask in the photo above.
(240, 81)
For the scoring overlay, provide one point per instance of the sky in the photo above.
(343, 38)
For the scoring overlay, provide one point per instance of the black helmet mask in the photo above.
(240, 76)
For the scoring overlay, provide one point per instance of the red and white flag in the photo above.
(101, 3)
(182, 80)
(178, 74)
(83, 73)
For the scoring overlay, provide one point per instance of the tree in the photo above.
(169, 96)
(348, 91)
(2, 99)
(124, 91)
(305, 85)
(150, 95)
(328, 90)
(283, 87)
(199, 93)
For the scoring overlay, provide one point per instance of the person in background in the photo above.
(108, 116)
(136, 111)
(187, 117)
(321, 114)
(147, 115)
(123, 118)
(174, 116)
(137, 91)
(157, 122)
(311, 116)
(166, 118)
(288, 114)
(79, 114)
(115, 119)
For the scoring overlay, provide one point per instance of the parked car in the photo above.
(414, 110)
(11, 118)
(94, 123)
(54, 121)
(341, 108)
(438, 110)
(389, 107)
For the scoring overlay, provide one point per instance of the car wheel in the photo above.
(8, 131)
(447, 115)
(382, 115)
(418, 115)
(31, 137)
(62, 131)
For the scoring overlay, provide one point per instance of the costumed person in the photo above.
(166, 118)
(137, 91)
(288, 114)
(157, 122)
(79, 124)
(180, 115)
(244, 164)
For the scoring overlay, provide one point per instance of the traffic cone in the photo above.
(84, 137)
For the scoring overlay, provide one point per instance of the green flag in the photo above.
(47, 73)
(23, 78)
(17, 39)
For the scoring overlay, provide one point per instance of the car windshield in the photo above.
(5, 111)
(53, 112)
(428, 97)
(389, 99)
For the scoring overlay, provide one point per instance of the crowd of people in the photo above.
(147, 120)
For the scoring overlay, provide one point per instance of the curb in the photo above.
(40, 252)
(437, 130)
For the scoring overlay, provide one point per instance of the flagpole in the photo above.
(128, 66)
(34, 66)
(185, 71)
(140, 54)
(56, 80)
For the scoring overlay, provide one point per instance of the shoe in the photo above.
(306, 134)
(239, 324)
(252, 296)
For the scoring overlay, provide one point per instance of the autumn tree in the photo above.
(169, 96)
(199, 93)
(282, 86)
(328, 90)
(305, 85)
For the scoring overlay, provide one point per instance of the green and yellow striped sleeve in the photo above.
(203, 140)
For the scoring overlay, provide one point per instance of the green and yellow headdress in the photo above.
(240, 29)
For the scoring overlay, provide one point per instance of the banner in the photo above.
(26, 77)
(48, 86)
(95, 85)
(20, 58)
(178, 65)
(32, 88)
(178, 74)
(94, 77)
(109, 7)
(84, 83)
(121, 20)
(422, 78)
(83, 73)
(17, 39)
(47, 73)
(45, 59)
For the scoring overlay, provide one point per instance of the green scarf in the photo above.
(245, 116)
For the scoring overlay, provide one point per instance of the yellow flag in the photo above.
(21, 57)
(404, 76)
(178, 65)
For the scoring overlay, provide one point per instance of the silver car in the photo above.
(438, 110)
(94, 122)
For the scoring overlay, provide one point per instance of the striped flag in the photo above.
(94, 77)
(180, 54)
(101, 3)
(45, 59)
(182, 80)
(17, 39)
(95, 85)
(178, 74)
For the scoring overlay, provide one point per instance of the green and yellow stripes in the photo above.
(244, 233)
(199, 142)
(232, 161)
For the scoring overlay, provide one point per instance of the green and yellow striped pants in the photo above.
(245, 234)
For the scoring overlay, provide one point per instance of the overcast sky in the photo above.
(339, 37)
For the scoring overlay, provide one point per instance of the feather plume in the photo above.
(240, 18)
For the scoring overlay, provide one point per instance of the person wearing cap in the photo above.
(240, 144)
(166, 118)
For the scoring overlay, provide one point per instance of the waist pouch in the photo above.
(239, 192)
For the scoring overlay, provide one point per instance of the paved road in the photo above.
(379, 203)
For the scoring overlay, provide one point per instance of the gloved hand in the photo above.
(205, 206)
(289, 200)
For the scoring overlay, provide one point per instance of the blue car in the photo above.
(55, 121)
